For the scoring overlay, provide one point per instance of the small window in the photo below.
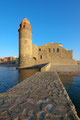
(49, 50)
(57, 49)
(23, 26)
(53, 50)
(40, 56)
(34, 58)
(39, 49)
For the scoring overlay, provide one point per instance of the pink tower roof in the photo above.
(26, 21)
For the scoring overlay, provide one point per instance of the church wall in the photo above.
(50, 50)
(30, 54)
(35, 51)
(54, 53)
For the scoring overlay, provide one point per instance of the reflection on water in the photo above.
(72, 85)
(25, 73)
(10, 76)
(67, 79)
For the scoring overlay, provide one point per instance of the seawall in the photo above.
(65, 68)
(40, 97)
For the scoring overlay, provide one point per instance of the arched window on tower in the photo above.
(57, 50)
(23, 26)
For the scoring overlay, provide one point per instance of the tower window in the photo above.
(57, 49)
(49, 50)
(40, 56)
(53, 50)
(23, 26)
(39, 49)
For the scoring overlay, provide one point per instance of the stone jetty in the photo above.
(40, 97)
(65, 68)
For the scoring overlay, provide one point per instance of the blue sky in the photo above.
(52, 21)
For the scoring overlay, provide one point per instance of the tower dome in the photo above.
(26, 21)
(25, 24)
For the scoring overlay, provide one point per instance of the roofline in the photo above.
(50, 43)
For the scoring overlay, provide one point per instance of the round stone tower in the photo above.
(25, 43)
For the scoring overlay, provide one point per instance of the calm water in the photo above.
(10, 76)
(72, 85)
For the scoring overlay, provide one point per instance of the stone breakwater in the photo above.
(40, 97)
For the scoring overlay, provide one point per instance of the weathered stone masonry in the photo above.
(40, 97)
(30, 54)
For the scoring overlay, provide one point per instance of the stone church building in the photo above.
(30, 54)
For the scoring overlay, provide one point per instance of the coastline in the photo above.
(8, 65)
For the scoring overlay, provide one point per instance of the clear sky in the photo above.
(52, 21)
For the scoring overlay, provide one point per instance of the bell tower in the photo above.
(25, 43)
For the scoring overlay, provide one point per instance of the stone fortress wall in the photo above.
(55, 53)
(30, 54)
